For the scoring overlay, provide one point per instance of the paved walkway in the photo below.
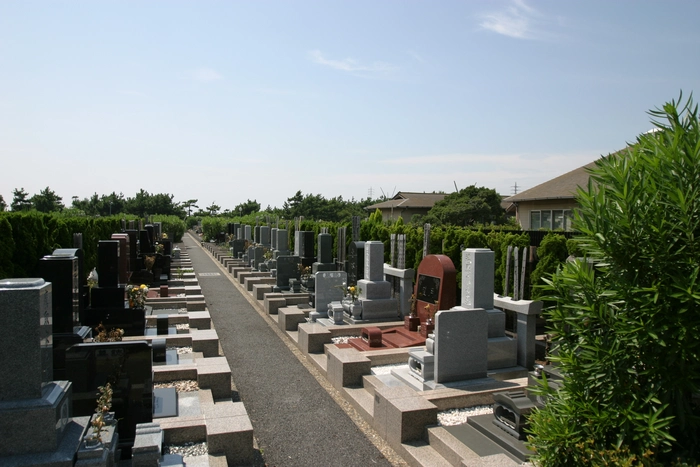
(296, 420)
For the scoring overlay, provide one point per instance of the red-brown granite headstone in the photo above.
(124, 253)
(437, 283)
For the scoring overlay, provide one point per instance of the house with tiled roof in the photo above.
(549, 205)
(406, 204)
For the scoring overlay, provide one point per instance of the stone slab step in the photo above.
(421, 454)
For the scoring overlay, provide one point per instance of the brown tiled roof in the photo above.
(405, 199)
(561, 187)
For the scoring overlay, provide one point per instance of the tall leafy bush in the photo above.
(626, 330)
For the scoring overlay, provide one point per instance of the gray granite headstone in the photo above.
(34, 410)
(273, 238)
(374, 261)
(248, 233)
(265, 235)
(461, 344)
(26, 360)
(297, 243)
(282, 241)
(329, 286)
(477, 278)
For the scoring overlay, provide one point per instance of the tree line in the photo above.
(469, 206)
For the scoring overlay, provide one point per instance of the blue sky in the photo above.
(224, 101)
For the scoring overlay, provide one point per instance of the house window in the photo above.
(546, 219)
(554, 219)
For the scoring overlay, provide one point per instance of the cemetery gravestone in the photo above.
(437, 283)
(324, 260)
(124, 252)
(265, 236)
(287, 268)
(128, 367)
(356, 262)
(461, 344)
(34, 410)
(108, 263)
(375, 292)
(329, 288)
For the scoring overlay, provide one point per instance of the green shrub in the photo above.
(552, 252)
(172, 225)
(626, 330)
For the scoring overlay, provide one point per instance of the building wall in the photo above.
(525, 208)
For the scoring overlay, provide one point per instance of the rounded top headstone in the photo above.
(21, 283)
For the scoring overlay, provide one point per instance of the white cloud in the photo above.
(351, 65)
(205, 75)
(518, 20)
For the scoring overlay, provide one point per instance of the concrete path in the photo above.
(296, 421)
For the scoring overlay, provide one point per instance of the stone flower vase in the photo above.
(356, 309)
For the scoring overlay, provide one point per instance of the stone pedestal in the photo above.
(34, 410)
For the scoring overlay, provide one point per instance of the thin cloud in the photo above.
(127, 92)
(416, 57)
(351, 65)
(518, 20)
(205, 75)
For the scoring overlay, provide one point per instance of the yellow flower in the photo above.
(143, 286)
(352, 290)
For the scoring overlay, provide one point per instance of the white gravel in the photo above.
(342, 339)
(182, 326)
(187, 449)
(459, 416)
(181, 350)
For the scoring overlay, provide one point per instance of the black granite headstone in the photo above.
(63, 273)
(127, 366)
(162, 324)
(145, 244)
(356, 262)
(238, 247)
(108, 263)
(133, 251)
(287, 268)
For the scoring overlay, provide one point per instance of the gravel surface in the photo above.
(182, 326)
(459, 416)
(183, 385)
(342, 339)
(181, 350)
(187, 449)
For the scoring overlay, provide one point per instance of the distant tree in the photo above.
(20, 200)
(47, 201)
(214, 209)
(145, 203)
(3, 205)
(249, 207)
(189, 204)
(101, 205)
(468, 206)
(291, 206)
